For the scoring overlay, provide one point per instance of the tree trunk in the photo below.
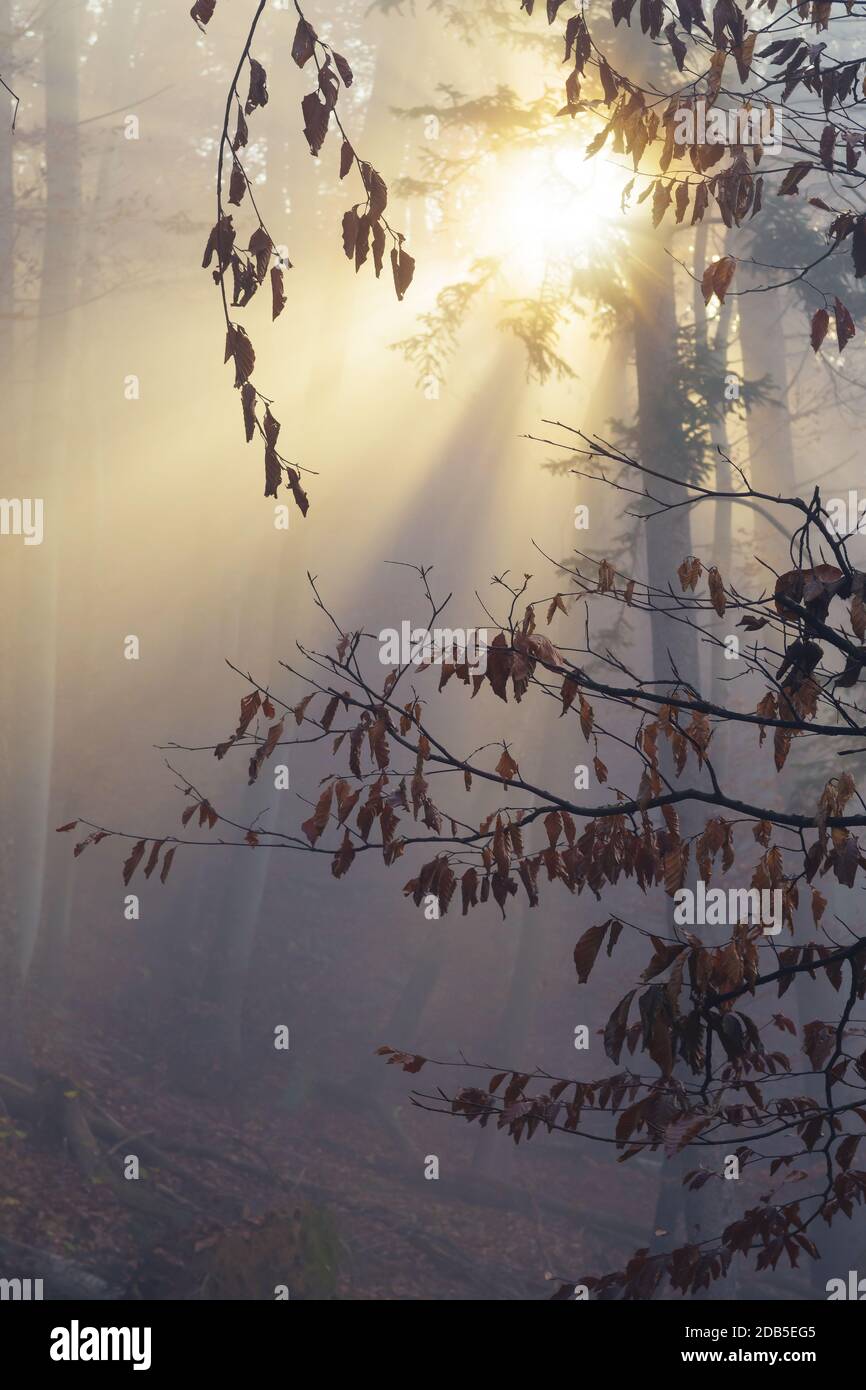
(675, 645)
(82, 553)
(771, 444)
(13, 571)
(37, 639)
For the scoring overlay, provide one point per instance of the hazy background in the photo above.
(155, 526)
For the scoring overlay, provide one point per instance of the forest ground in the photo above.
(370, 1225)
(328, 1201)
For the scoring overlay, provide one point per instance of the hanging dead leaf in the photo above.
(277, 292)
(717, 590)
(587, 949)
(845, 329)
(507, 768)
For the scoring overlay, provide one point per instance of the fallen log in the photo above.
(61, 1114)
(62, 1279)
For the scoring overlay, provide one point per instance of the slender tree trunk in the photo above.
(715, 354)
(771, 443)
(675, 645)
(8, 335)
(13, 568)
(82, 558)
(52, 456)
(658, 387)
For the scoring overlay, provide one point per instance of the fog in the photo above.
(228, 1022)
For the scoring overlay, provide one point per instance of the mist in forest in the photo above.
(191, 1101)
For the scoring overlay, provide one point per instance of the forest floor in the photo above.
(326, 1199)
(320, 1192)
